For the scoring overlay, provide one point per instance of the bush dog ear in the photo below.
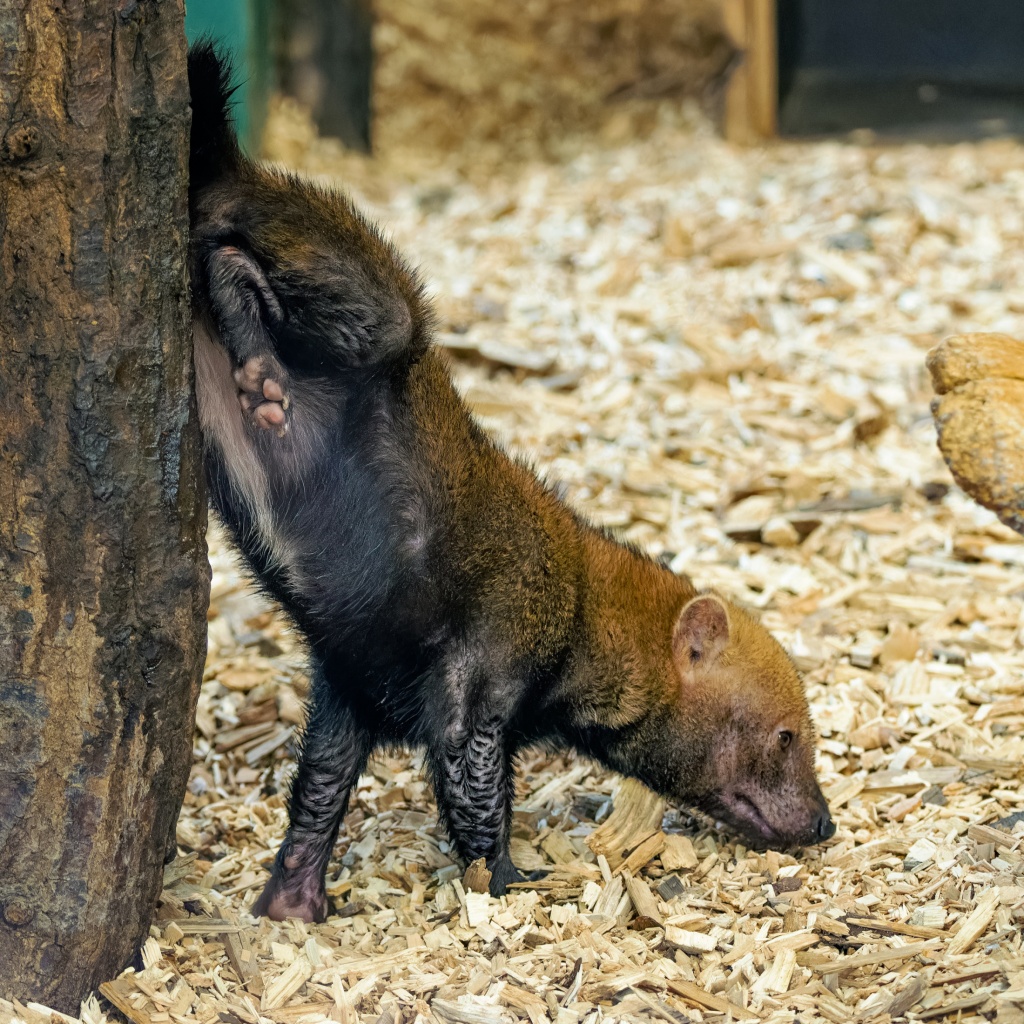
(701, 633)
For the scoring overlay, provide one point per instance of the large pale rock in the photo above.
(979, 413)
(974, 357)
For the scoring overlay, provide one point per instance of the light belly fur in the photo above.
(220, 416)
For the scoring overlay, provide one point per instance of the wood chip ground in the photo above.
(720, 354)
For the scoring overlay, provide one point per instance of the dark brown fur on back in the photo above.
(449, 599)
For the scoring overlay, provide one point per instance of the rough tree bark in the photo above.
(103, 572)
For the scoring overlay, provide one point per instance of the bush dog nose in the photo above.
(826, 827)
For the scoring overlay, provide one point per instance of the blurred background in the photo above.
(530, 81)
(452, 73)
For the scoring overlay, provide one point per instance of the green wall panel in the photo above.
(242, 28)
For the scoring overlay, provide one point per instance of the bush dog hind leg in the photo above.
(370, 325)
(245, 311)
(335, 749)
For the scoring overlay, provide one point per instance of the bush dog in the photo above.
(449, 599)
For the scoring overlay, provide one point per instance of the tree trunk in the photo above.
(326, 63)
(103, 573)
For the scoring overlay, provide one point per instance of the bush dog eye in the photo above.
(449, 599)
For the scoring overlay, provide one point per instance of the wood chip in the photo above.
(473, 1011)
(987, 834)
(888, 955)
(678, 854)
(636, 816)
(643, 899)
(477, 878)
(778, 974)
(954, 1008)
(286, 984)
(976, 924)
(120, 993)
(696, 995)
(897, 928)
(688, 941)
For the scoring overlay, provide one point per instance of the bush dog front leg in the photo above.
(474, 779)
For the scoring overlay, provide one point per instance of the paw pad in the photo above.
(263, 394)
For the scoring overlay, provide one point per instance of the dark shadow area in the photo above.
(935, 69)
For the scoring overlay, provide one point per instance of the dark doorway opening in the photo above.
(942, 69)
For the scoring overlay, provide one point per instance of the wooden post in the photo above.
(752, 95)
(104, 580)
(326, 63)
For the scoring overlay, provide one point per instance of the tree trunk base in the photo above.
(104, 580)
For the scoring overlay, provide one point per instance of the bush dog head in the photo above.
(704, 705)
(738, 682)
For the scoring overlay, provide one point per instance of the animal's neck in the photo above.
(626, 689)
(630, 605)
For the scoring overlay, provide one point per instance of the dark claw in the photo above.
(503, 874)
